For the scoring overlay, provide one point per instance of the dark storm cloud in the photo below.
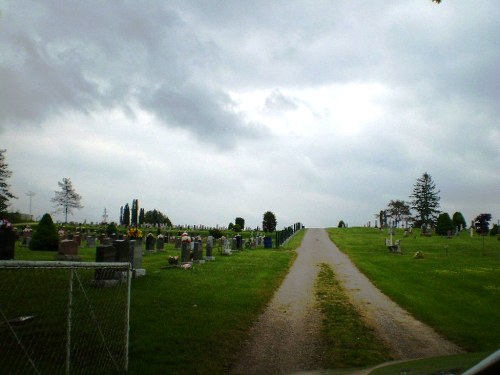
(86, 56)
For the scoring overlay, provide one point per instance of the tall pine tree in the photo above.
(425, 201)
(5, 194)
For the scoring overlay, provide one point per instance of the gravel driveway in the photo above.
(286, 338)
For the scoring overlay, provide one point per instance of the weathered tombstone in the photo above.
(68, 250)
(239, 242)
(77, 238)
(177, 242)
(7, 244)
(234, 245)
(150, 243)
(27, 235)
(197, 251)
(209, 247)
(135, 255)
(90, 241)
(107, 241)
(160, 243)
(105, 253)
(122, 250)
(185, 252)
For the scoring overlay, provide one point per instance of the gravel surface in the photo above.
(286, 338)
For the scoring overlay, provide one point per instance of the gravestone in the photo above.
(135, 255)
(197, 251)
(91, 241)
(177, 242)
(68, 250)
(106, 241)
(160, 243)
(239, 242)
(27, 235)
(185, 252)
(122, 250)
(105, 253)
(234, 245)
(7, 244)
(150, 243)
(78, 239)
(209, 246)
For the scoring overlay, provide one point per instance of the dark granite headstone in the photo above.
(7, 244)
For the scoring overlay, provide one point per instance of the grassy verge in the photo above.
(192, 322)
(348, 342)
(452, 365)
(455, 288)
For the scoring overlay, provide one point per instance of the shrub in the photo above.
(495, 230)
(216, 233)
(111, 228)
(444, 224)
(45, 237)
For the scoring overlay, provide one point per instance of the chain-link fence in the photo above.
(64, 317)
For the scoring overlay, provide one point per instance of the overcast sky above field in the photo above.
(318, 111)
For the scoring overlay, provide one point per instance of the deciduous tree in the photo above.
(398, 211)
(67, 198)
(482, 224)
(269, 222)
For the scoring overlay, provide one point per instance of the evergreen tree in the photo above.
(121, 215)
(458, 220)
(66, 199)
(269, 222)
(126, 215)
(425, 201)
(444, 224)
(141, 216)
(135, 212)
(156, 217)
(5, 194)
(45, 237)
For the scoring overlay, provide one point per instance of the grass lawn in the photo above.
(455, 288)
(192, 322)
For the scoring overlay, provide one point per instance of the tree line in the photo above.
(423, 211)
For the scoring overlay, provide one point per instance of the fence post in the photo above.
(68, 334)
(127, 325)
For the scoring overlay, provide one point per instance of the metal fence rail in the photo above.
(64, 317)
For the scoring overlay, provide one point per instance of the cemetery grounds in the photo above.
(194, 321)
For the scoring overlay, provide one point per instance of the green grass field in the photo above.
(194, 321)
(455, 288)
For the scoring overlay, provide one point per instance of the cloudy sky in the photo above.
(318, 111)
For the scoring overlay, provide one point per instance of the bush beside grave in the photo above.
(45, 237)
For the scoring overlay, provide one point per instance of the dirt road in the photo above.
(286, 338)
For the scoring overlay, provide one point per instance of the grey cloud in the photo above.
(279, 102)
(207, 113)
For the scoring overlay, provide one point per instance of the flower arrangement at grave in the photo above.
(134, 232)
(6, 226)
(418, 255)
(185, 238)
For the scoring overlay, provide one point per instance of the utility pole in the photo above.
(31, 195)
(105, 217)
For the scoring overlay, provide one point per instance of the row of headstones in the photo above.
(236, 243)
(120, 251)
